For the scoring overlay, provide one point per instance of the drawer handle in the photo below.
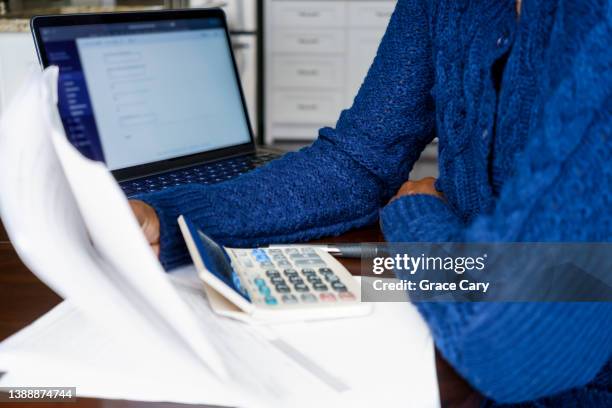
(309, 14)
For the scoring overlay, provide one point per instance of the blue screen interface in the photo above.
(139, 93)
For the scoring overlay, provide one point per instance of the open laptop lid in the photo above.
(147, 92)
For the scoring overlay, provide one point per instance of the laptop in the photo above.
(154, 95)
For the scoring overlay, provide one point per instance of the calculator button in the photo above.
(327, 297)
(346, 296)
(297, 256)
(308, 262)
(339, 287)
(277, 280)
(272, 272)
(331, 278)
(325, 270)
(275, 251)
(266, 264)
(308, 250)
(282, 288)
(283, 264)
(308, 271)
(314, 279)
(308, 298)
(290, 272)
(312, 256)
(301, 287)
(289, 299)
(290, 251)
(270, 300)
(259, 282)
(264, 290)
(296, 279)
(319, 287)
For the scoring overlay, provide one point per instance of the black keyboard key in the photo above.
(277, 280)
(300, 287)
(331, 278)
(296, 280)
(314, 279)
(319, 287)
(282, 289)
(339, 287)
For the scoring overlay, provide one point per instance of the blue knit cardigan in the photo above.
(530, 163)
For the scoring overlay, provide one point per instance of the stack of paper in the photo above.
(129, 331)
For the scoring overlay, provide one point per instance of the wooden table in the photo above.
(23, 298)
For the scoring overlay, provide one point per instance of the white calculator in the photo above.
(284, 283)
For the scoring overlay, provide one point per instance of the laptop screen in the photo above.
(143, 92)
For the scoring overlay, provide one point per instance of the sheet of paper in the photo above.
(38, 208)
(64, 347)
(116, 236)
(45, 224)
(386, 358)
(388, 355)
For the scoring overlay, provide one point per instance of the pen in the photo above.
(341, 250)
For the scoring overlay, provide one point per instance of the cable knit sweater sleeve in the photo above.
(342, 179)
(561, 191)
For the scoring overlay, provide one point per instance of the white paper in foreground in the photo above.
(387, 358)
(46, 228)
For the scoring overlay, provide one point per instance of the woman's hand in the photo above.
(149, 222)
(423, 186)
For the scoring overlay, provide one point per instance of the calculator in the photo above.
(284, 283)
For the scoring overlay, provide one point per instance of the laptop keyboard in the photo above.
(209, 173)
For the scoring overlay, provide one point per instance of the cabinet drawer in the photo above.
(370, 13)
(320, 72)
(308, 14)
(298, 41)
(306, 108)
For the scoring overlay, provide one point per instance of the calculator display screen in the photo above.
(218, 263)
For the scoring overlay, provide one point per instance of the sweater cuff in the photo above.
(420, 218)
(173, 251)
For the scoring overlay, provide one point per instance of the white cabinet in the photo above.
(307, 14)
(17, 57)
(316, 56)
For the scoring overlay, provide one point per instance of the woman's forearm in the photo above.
(316, 192)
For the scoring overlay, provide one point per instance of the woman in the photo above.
(521, 104)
